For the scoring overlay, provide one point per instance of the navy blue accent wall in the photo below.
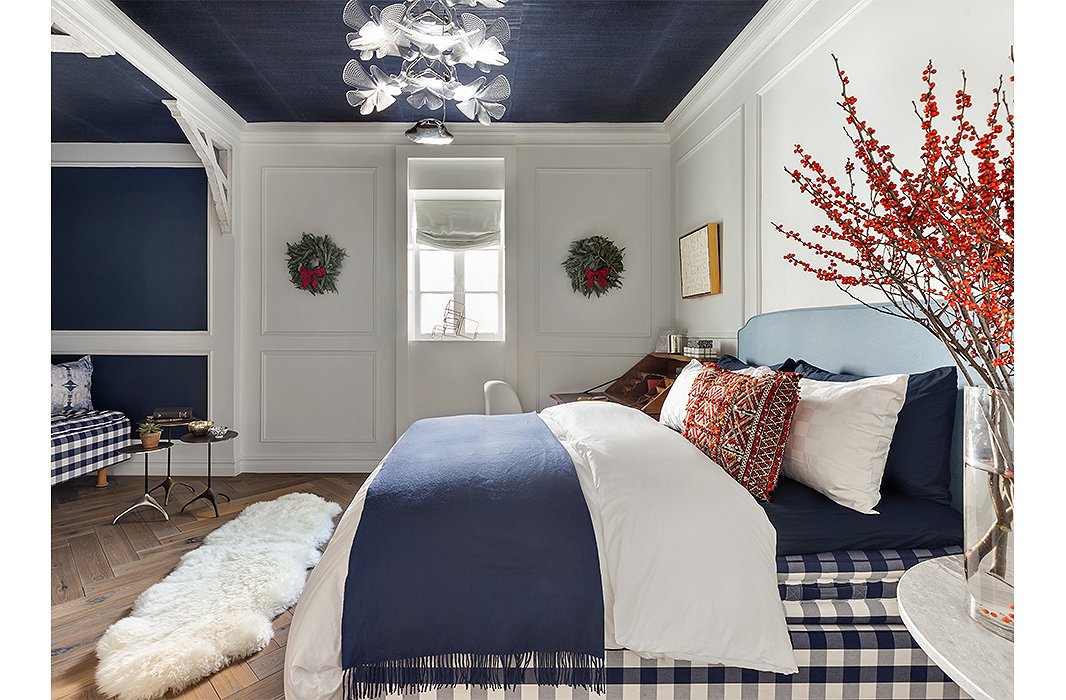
(138, 384)
(129, 249)
(107, 100)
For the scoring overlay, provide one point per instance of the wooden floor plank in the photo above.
(268, 664)
(117, 547)
(138, 533)
(269, 688)
(118, 562)
(90, 559)
(232, 678)
(66, 584)
(201, 691)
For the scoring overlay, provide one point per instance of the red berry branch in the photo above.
(938, 241)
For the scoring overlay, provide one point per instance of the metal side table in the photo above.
(146, 499)
(168, 483)
(208, 493)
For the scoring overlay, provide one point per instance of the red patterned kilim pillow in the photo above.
(742, 422)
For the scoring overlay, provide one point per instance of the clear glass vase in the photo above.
(988, 506)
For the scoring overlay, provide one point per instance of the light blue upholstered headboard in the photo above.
(856, 340)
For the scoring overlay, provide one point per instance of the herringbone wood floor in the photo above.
(98, 569)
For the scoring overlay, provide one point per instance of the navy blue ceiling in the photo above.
(107, 100)
(570, 60)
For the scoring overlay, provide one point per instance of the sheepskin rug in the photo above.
(217, 605)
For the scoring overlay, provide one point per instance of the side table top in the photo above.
(189, 437)
(933, 604)
(137, 448)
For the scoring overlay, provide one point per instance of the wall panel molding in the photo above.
(268, 270)
(646, 263)
(341, 436)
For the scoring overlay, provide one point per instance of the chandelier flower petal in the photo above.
(378, 33)
(482, 102)
(483, 44)
(374, 91)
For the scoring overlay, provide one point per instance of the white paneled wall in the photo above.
(568, 342)
(734, 136)
(317, 373)
(328, 382)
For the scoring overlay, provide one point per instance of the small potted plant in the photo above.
(150, 432)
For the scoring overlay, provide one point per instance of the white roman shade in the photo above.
(457, 224)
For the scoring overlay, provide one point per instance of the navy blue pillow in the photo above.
(732, 364)
(919, 460)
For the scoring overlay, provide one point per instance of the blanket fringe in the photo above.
(489, 671)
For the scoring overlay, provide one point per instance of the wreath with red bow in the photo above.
(594, 265)
(314, 263)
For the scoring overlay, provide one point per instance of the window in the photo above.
(457, 255)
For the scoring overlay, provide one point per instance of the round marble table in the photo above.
(932, 603)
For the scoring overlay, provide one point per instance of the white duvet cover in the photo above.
(687, 557)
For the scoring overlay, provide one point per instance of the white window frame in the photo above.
(459, 280)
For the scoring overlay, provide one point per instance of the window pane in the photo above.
(436, 270)
(481, 270)
(485, 309)
(432, 311)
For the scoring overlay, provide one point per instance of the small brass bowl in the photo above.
(199, 428)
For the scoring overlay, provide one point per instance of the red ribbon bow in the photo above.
(594, 277)
(311, 277)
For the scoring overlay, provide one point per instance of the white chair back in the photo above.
(500, 398)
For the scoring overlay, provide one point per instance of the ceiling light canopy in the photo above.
(430, 42)
(430, 131)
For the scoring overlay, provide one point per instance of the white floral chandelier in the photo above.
(431, 42)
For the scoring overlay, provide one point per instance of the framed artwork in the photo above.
(701, 272)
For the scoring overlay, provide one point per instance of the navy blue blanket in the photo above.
(474, 560)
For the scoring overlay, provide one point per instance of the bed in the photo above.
(834, 606)
(87, 441)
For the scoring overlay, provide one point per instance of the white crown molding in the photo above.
(124, 155)
(76, 39)
(472, 133)
(767, 26)
(109, 26)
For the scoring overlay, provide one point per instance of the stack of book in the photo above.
(700, 349)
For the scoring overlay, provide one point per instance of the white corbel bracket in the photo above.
(217, 156)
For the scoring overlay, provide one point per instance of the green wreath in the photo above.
(594, 265)
(314, 263)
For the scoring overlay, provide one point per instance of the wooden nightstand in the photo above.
(580, 396)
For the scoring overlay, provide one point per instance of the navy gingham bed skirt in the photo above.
(835, 663)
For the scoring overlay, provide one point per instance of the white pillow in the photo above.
(840, 434)
(675, 407)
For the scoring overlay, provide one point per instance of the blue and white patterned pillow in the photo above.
(72, 386)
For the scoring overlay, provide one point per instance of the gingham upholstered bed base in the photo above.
(841, 662)
(846, 632)
(87, 442)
